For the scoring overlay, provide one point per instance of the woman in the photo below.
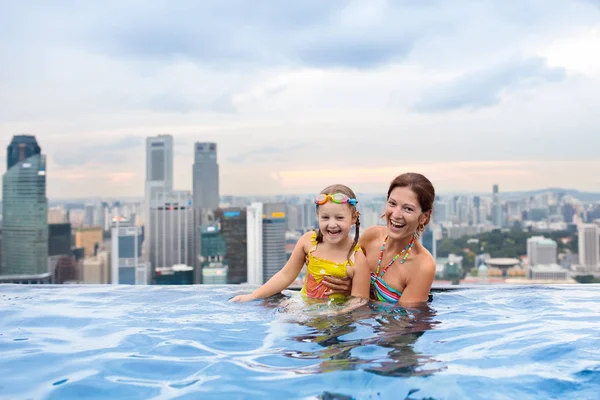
(402, 270)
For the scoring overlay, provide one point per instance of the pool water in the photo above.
(187, 342)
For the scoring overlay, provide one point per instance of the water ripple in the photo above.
(67, 342)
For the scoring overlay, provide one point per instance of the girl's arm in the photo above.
(284, 277)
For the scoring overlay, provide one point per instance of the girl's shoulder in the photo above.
(308, 240)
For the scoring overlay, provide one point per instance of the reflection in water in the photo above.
(379, 338)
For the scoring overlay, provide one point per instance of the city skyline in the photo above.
(302, 95)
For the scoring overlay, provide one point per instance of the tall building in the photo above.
(90, 211)
(127, 266)
(60, 242)
(233, 223)
(568, 212)
(89, 239)
(254, 235)
(441, 211)
(159, 179)
(541, 251)
(589, 247)
(294, 222)
(96, 270)
(60, 239)
(497, 218)
(21, 148)
(309, 215)
(428, 240)
(273, 231)
(24, 209)
(214, 250)
(477, 212)
(100, 214)
(205, 179)
(171, 234)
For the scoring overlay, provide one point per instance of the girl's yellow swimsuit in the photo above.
(317, 268)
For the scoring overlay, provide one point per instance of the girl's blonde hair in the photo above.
(339, 188)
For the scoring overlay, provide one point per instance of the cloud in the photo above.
(483, 88)
(266, 153)
(111, 152)
(235, 34)
(264, 78)
(170, 103)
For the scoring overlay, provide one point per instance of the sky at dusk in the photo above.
(302, 94)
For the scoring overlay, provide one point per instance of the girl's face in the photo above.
(335, 221)
(403, 213)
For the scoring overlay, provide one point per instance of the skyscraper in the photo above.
(171, 233)
(159, 179)
(589, 247)
(214, 250)
(428, 240)
(477, 212)
(273, 230)
(24, 209)
(254, 230)
(21, 148)
(233, 229)
(205, 179)
(497, 217)
(541, 250)
(90, 210)
(127, 266)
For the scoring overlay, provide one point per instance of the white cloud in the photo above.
(304, 86)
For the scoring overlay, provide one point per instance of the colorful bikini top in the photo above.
(380, 290)
(317, 268)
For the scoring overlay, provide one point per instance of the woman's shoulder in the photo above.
(426, 262)
(373, 234)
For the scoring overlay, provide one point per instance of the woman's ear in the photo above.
(425, 218)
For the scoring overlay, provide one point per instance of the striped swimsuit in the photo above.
(381, 291)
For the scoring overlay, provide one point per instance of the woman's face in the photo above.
(403, 214)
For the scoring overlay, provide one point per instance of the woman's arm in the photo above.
(418, 286)
(284, 277)
(344, 285)
(361, 279)
(361, 285)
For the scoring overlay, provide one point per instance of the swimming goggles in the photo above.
(338, 198)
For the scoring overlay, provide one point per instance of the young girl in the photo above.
(328, 251)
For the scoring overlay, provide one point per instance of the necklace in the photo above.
(405, 251)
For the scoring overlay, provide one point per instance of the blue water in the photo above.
(128, 342)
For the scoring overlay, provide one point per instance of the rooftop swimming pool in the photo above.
(187, 342)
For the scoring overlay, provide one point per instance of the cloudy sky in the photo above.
(302, 94)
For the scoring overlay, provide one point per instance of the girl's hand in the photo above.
(350, 305)
(242, 298)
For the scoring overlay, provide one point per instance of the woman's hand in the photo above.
(337, 285)
(242, 298)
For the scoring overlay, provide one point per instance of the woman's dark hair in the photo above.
(421, 186)
(338, 188)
